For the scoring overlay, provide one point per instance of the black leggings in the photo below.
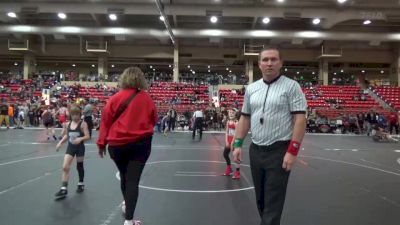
(226, 156)
(81, 171)
(130, 160)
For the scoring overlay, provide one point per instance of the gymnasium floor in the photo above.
(338, 180)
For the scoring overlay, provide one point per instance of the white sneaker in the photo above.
(132, 222)
(123, 207)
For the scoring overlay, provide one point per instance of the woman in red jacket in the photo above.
(127, 127)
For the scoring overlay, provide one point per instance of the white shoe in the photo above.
(123, 207)
(132, 222)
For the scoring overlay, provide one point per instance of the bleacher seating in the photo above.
(230, 97)
(320, 97)
(321, 101)
(390, 95)
(164, 92)
(14, 90)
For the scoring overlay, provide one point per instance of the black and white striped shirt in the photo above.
(282, 98)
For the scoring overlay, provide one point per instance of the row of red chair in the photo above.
(390, 95)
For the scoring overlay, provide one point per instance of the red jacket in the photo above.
(135, 123)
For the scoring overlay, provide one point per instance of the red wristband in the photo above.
(294, 147)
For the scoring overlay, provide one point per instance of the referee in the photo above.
(198, 122)
(274, 109)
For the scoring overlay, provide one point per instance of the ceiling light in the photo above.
(12, 15)
(188, 66)
(208, 66)
(112, 66)
(341, 1)
(151, 67)
(363, 71)
(193, 72)
(169, 66)
(209, 71)
(93, 65)
(227, 68)
(334, 73)
(15, 64)
(62, 16)
(285, 69)
(280, 1)
(73, 65)
(213, 19)
(230, 71)
(162, 18)
(366, 22)
(113, 17)
(341, 71)
(316, 21)
(69, 29)
(313, 73)
(154, 69)
(266, 20)
(382, 71)
(298, 72)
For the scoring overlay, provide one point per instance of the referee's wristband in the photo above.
(294, 147)
(238, 143)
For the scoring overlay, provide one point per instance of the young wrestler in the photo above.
(76, 134)
(230, 133)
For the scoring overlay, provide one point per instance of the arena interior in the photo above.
(203, 54)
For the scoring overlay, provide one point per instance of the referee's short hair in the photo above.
(268, 48)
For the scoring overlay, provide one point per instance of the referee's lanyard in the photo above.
(265, 100)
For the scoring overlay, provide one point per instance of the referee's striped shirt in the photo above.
(282, 98)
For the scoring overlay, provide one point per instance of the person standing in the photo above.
(127, 127)
(393, 123)
(274, 109)
(88, 117)
(172, 120)
(76, 134)
(166, 121)
(198, 116)
(48, 121)
(11, 115)
(229, 135)
(4, 117)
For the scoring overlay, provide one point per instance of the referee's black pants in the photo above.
(171, 124)
(270, 180)
(198, 124)
(89, 122)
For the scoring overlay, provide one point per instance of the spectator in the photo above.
(127, 127)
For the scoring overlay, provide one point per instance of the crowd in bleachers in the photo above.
(345, 109)
(330, 107)
(199, 78)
